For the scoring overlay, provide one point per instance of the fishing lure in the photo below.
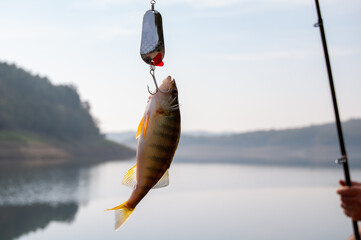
(152, 43)
(152, 48)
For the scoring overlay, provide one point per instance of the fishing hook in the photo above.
(151, 71)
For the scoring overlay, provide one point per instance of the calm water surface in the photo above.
(203, 201)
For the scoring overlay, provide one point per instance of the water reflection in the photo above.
(16, 221)
(32, 197)
(43, 184)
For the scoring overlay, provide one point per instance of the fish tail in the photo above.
(122, 213)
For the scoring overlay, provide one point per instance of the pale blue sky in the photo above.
(240, 65)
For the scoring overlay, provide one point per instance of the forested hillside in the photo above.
(42, 120)
(32, 103)
(314, 145)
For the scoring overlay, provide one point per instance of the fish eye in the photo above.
(175, 91)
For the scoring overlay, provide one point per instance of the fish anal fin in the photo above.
(130, 178)
(163, 181)
(140, 127)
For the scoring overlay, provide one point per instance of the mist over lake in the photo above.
(314, 145)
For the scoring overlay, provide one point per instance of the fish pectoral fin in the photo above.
(140, 127)
(122, 213)
(130, 178)
(163, 181)
(146, 125)
(143, 125)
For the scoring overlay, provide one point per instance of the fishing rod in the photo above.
(343, 160)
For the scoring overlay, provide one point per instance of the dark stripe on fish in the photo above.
(159, 159)
(153, 169)
(152, 178)
(172, 119)
(166, 135)
(170, 128)
(145, 187)
(165, 149)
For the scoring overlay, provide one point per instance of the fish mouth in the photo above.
(167, 80)
(168, 84)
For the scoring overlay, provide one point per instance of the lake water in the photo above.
(203, 201)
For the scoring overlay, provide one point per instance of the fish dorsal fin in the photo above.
(146, 126)
(130, 178)
(163, 181)
(139, 130)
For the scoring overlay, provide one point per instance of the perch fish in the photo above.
(158, 136)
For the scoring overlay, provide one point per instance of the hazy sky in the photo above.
(240, 65)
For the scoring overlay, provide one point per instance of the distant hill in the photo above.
(39, 120)
(32, 103)
(314, 145)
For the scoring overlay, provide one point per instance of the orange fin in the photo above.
(122, 213)
(130, 178)
(139, 130)
(146, 125)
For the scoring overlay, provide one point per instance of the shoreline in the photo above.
(35, 153)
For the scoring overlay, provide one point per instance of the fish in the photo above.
(158, 136)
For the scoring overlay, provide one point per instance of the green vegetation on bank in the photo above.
(41, 120)
(32, 103)
(14, 136)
